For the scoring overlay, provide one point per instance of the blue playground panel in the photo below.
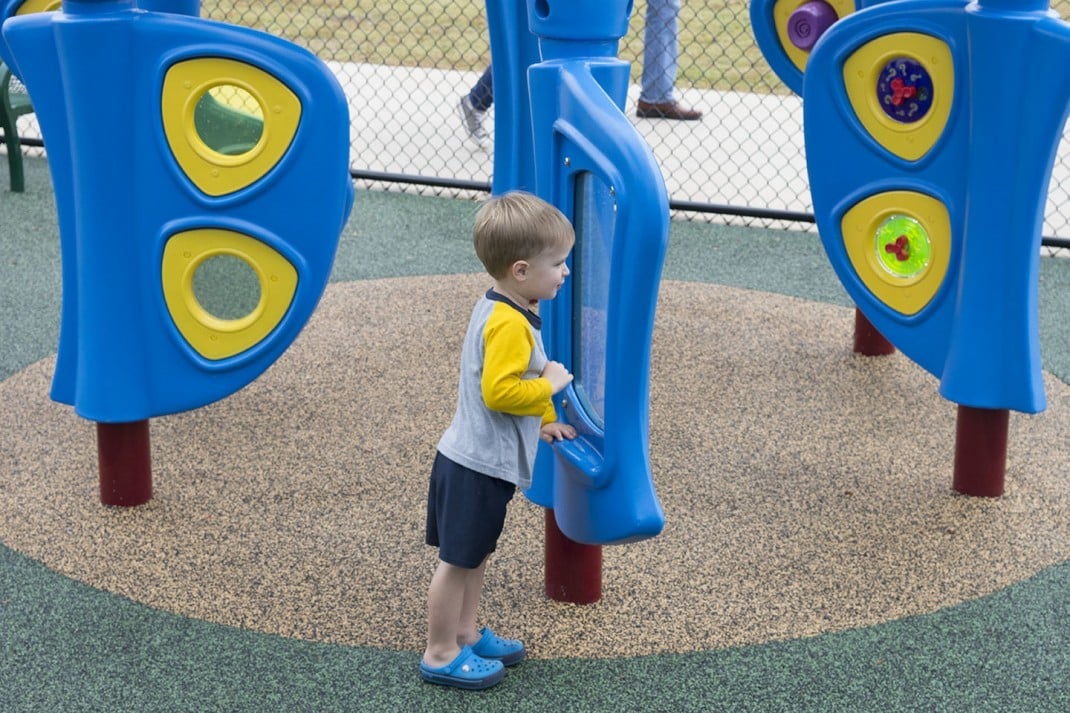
(242, 154)
(929, 174)
(787, 31)
(590, 162)
(931, 129)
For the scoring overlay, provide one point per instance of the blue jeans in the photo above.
(660, 50)
(482, 94)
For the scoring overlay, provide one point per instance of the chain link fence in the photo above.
(405, 64)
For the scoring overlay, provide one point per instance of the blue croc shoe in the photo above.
(492, 646)
(468, 670)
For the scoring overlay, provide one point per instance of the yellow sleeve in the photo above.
(550, 415)
(507, 345)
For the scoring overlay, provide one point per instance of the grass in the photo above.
(447, 34)
(717, 47)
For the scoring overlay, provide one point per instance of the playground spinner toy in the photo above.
(931, 129)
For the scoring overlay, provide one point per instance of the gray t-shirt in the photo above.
(502, 401)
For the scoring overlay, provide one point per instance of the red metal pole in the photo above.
(573, 570)
(980, 451)
(868, 341)
(125, 460)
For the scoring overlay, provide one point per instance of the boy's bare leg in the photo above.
(467, 631)
(445, 604)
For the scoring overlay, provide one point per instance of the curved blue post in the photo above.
(592, 164)
(513, 49)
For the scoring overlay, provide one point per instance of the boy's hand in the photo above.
(557, 374)
(557, 431)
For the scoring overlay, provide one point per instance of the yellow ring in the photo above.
(905, 295)
(214, 173)
(205, 317)
(860, 74)
(208, 335)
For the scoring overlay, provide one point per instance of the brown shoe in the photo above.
(666, 110)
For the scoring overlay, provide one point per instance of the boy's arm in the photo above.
(507, 345)
(550, 414)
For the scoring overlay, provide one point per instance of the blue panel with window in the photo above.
(592, 164)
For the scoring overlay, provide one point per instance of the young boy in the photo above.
(503, 408)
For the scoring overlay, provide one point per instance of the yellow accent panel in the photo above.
(32, 6)
(861, 72)
(187, 83)
(782, 11)
(904, 295)
(210, 336)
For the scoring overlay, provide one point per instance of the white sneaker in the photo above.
(472, 119)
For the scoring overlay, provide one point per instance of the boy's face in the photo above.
(545, 274)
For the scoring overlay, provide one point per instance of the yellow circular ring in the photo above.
(907, 295)
(208, 335)
(189, 113)
(205, 317)
(186, 82)
(860, 74)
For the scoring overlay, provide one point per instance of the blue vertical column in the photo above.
(592, 164)
(513, 49)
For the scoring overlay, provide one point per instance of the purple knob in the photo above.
(809, 22)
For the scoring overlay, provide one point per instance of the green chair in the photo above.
(14, 102)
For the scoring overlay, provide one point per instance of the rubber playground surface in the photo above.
(814, 556)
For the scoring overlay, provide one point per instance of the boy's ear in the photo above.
(519, 270)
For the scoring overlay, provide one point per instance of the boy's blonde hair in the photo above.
(517, 226)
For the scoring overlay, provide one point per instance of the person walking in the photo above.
(660, 56)
(474, 106)
(661, 49)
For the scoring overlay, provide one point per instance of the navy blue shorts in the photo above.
(465, 512)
